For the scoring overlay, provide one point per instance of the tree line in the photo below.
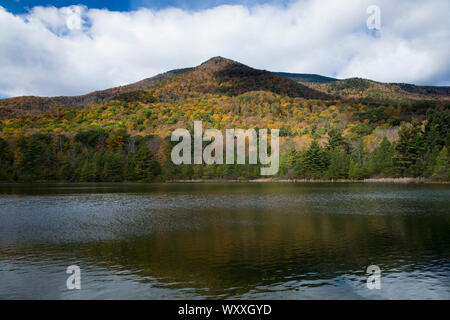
(96, 155)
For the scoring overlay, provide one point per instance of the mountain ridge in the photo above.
(219, 75)
(225, 76)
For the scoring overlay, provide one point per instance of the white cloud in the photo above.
(45, 53)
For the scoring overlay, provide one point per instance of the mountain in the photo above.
(329, 129)
(233, 78)
(306, 77)
(224, 76)
(359, 88)
(216, 75)
(31, 105)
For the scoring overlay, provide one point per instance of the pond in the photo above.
(224, 240)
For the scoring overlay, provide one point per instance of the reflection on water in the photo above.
(274, 241)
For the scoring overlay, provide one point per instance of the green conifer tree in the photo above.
(441, 168)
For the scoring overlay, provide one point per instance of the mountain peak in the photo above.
(225, 76)
(218, 60)
(218, 63)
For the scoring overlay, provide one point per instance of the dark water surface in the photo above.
(261, 240)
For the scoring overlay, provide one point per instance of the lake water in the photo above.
(219, 240)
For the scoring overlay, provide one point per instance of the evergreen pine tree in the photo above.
(315, 161)
(380, 160)
(441, 168)
(409, 152)
(339, 164)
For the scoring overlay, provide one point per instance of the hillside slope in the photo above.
(358, 88)
(32, 105)
(216, 75)
(345, 129)
(227, 77)
(224, 76)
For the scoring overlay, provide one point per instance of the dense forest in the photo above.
(367, 131)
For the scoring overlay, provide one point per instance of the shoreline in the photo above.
(263, 180)
(371, 180)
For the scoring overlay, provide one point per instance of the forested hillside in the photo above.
(343, 129)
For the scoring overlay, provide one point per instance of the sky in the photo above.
(22, 6)
(62, 47)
